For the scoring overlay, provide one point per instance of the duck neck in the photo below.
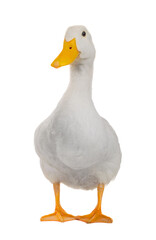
(81, 80)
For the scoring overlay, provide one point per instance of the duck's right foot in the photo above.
(59, 215)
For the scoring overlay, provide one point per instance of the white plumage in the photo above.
(75, 144)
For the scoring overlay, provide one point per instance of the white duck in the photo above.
(75, 144)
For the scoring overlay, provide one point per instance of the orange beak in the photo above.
(68, 54)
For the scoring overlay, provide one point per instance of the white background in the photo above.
(124, 92)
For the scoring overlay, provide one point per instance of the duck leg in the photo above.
(96, 215)
(59, 215)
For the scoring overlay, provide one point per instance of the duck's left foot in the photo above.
(95, 216)
(59, 215)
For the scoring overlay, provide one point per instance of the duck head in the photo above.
(77, 48)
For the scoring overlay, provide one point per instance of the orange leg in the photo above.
(96, 215)
(59, 215)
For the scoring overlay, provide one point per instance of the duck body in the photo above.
(75, 144)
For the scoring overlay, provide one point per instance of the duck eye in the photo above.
(83, 33)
